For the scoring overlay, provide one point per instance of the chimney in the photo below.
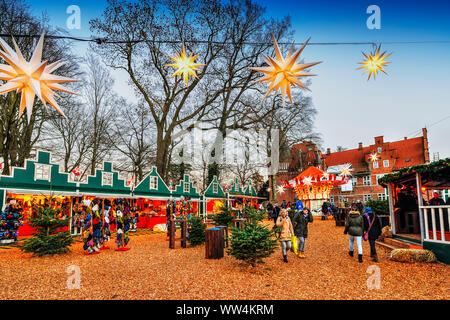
(379, 140)
(406, 138)
(360, 146)
(328, 151)
(426, 152)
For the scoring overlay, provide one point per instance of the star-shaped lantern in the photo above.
(374, 62)
(373, 157)
(346, 170)
(280, 189)
(307, 181)
(31, 78)
(283, 73)
(325, 176)
(185, 65)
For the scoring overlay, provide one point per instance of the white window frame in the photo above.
(341, 199)
(215, 187)
(379, 176)
(153, 183)
(367, 180)
(42, 172)
(380, 149)
(367, 197)
(382, 196)
(384, 163)
(375, 164)
(188, 185)
(109, 175)
(354, 181)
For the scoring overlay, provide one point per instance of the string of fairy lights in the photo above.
(35, 77)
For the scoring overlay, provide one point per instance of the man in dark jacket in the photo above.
(275, 213)
(373, 227)
(300, 224)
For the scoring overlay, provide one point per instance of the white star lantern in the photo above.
(280, 189)
(31, 78)
(346, 171)
(307, 181)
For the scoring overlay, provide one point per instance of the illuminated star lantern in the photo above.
(374, 62)
(307, 181)
(346, 171)
(280, 189)
(185, 65)
(283, 73)
(32, 78)
(325, 176)
(373, 157)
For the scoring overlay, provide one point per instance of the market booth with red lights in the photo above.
(213, 198)
(186, 196)
(240, 198)
(40, 178)
(313, 186)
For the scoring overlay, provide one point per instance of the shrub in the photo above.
(379, 206)
(252, 244)
(196, 231)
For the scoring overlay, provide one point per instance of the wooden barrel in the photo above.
(214, 244)
(225, 234)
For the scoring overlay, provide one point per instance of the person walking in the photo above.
(276, 214)
(287, 232)
(283, 204)
(325, 210)
(354, 226)
(372, 228)
(301, 220)
(269, 210)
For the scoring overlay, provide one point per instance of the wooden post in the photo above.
(171, 234)
(183, 233)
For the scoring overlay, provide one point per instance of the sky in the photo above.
(351, 109)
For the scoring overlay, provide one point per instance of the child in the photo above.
(301, 220)
(287, 232)
(354, 226)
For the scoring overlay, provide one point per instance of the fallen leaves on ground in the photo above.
(150, 270)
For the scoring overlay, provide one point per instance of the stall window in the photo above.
(186, 187)
(153, 183)
(107, 179)
(386, 163)
(41, 172)
(215, 188)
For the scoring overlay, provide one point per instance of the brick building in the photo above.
(365, 173)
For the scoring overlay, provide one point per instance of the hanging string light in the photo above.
(374, 62)
(31, 78)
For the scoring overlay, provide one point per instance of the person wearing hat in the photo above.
(354, 226)
(286, 233)
(372, 228)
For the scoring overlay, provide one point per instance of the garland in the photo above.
(439, 170)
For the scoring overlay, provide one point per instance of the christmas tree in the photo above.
(252, 244)
(224, 217)
(48, 239)
(196, 231)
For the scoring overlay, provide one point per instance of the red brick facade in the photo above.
(391, 156)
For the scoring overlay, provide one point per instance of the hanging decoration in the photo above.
(185, 65)
(283, 73)
(373, 157)
(374, 62)
(280, 189)
(346, 170)
(32, 78)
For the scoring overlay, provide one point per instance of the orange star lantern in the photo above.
(185, 65)
(374, 62)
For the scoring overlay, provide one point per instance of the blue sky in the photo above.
(416, 92)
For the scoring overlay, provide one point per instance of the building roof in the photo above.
(403, 153)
